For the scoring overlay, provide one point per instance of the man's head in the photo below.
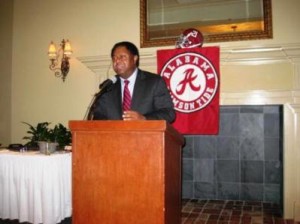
(125, 58)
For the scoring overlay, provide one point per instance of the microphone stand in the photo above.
(90, 112)
(104, 87)
(89, 115)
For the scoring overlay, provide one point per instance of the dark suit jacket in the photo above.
(150, 97)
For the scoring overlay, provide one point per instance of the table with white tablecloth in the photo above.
(35, 188)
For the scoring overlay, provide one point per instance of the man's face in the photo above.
(124, 63)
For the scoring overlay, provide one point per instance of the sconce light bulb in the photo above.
(52, 51)
(67, 49)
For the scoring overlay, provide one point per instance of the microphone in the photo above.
(104, 87)
(107, 83)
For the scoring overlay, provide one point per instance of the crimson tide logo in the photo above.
(192, 81)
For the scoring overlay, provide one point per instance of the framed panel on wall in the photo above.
(162, 21)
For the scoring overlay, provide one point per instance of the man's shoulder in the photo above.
(147, 74)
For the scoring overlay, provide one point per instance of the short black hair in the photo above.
(130, 47)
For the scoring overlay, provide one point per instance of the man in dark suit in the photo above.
(150, 98)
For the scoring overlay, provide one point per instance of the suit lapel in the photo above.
(138, 89)
(117, 98)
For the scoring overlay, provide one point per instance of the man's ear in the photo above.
(135, 58)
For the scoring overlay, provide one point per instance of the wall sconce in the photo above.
(60, 59)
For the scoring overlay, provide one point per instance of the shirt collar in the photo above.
(132, 78)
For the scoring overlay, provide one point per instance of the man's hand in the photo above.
(131, 115)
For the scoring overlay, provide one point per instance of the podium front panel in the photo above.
(125, 175)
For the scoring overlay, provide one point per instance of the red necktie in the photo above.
(126, 97)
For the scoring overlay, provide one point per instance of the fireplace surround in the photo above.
(243, 162)
(264, 75)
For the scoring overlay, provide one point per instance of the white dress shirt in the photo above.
(131, 80)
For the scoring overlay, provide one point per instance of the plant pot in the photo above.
(47, 147)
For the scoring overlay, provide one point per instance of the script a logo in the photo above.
(192, 81)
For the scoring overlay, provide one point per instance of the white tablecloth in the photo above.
(35, 188)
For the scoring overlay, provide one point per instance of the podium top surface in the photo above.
(112, 125)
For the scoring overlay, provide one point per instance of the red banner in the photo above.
(192, 76)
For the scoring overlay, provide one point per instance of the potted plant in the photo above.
(48, 139)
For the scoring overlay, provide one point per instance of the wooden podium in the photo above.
(126, 172)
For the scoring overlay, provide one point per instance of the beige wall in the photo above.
(6, 20)
(93, 26)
